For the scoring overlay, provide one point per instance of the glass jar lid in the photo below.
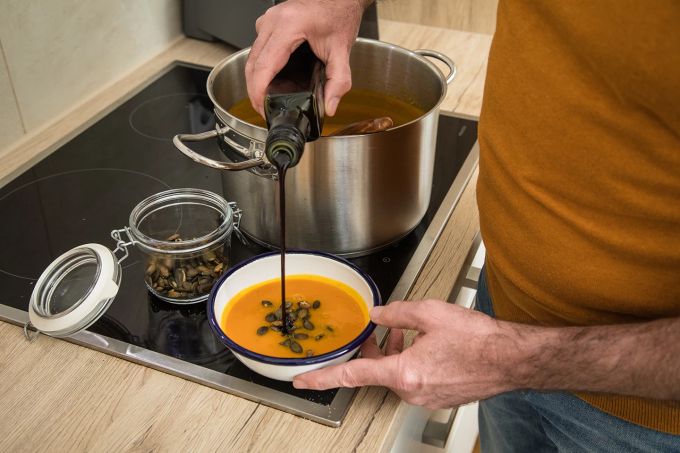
(181, 221)
(75, 290)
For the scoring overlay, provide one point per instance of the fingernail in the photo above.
(375, 312)
(299, 384)
(332, 105)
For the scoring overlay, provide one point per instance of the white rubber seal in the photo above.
(104, 288)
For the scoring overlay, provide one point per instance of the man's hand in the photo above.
(330, 27)
(452, 360)
(461, 356)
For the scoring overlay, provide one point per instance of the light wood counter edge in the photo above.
(374, 417)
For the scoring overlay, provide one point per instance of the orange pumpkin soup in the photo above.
(325, 315)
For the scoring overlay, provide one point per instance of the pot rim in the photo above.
(224, 114)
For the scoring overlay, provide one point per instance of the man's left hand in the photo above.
(454, 359)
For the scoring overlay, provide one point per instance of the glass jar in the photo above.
(186, 235)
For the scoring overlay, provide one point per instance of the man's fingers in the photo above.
(405, 315)
(256, 98)
(338, 80)
(395, 342)
(270, 60)
(355, 373)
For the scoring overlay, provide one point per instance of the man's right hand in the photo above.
(330, 27)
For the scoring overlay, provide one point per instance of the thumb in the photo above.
(338, 80)
(355, 373)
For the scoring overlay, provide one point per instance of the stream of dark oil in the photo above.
(281, 162)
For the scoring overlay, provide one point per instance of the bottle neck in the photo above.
(284, 146)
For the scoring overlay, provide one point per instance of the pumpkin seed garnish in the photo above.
(295, 347)
(307, 324)
(316, 304)
(262, 330)
(266, 303)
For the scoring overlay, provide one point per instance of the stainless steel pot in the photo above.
(349, 195)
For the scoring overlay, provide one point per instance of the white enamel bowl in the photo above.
(268, 266)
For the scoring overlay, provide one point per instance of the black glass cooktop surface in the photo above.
(88, 187)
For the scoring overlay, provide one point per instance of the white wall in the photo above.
(55, 53)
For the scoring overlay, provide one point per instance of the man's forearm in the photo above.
(641, 359)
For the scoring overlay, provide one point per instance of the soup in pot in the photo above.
(356, 105)
(324, 315)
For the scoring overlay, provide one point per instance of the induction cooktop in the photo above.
(88, 187)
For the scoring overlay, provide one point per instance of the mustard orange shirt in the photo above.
(579, 184)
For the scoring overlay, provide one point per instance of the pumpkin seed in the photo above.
(295, 347)
(289, 304)
(316, 304)
(319, 337)
(173, 293)
(205, 287)
(266, 303)
(307, 324)
(167, 262)
(303, 304)
(286, 342)
(276, 328)
(271, 317)
(217, 269)
(277, 323)
(300, 336)
(151, 269)
(303, 313)
(278, 314)
(191, 272)
(203, 270)
(174, 237)
(180, 276)
(262, 330)
(330, 329)
(165, 271)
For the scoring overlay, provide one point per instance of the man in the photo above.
(579, 199)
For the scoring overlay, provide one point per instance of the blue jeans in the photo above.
(531, 421)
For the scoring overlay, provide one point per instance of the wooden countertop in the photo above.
(57, 396)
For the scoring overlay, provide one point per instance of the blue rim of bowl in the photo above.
(290, 361)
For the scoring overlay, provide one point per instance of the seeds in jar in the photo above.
(184, 278)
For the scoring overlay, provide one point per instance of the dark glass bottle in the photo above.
(294, 107)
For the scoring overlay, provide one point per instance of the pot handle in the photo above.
(179, 140)
(444, 59)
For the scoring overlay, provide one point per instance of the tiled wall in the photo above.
(56, 53)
